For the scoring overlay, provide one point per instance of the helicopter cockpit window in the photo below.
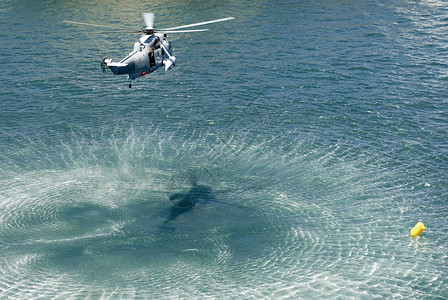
(149, 40)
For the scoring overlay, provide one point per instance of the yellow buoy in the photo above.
(418, 228)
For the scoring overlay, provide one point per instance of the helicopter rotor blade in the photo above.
(198, 24)
(95, 25)
(149, 20)
(182, 31)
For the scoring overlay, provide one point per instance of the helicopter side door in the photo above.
(152, 59)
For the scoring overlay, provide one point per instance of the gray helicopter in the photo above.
(152, 51)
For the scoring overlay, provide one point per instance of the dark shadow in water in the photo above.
(184, 202)
(143, 237)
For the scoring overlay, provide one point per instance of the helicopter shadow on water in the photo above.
(185, 202)
(143, 228)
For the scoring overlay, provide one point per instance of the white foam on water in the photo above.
(296, 220)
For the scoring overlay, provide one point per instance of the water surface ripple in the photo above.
(313, 136)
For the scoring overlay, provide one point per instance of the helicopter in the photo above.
(152, 51)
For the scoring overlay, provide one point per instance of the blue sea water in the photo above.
(316, 132)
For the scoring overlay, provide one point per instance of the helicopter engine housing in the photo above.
(137, 46)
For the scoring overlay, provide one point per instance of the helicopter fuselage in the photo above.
(149, 54)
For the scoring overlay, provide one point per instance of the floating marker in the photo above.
(418, 228)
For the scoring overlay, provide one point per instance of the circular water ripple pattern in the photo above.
(286, 218)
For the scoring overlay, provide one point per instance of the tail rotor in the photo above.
(104, 63)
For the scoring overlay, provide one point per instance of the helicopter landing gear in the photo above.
(130, 84)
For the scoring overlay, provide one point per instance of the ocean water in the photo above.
(313, 134)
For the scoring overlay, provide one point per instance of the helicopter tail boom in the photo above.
(118, 68)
